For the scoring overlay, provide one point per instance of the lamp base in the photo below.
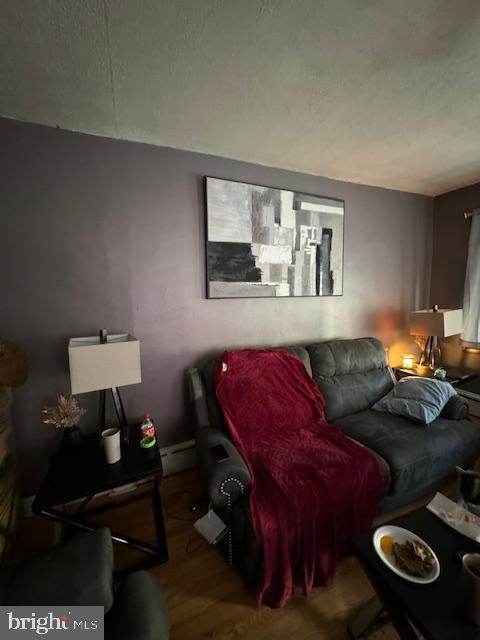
(119, 410)
(71, 440)
(431, 355)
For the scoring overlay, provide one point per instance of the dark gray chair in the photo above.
(79, 572)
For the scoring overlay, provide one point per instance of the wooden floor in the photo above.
(206, 598)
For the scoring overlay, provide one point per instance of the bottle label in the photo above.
(148, 430)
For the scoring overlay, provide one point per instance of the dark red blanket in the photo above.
(313, 489)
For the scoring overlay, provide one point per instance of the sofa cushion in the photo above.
(351, 374)
(419, 399)
(385, 469)
(417, 457)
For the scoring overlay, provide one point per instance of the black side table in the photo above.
(455, 376)
(83, 473)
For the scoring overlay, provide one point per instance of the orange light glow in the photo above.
(408, 360)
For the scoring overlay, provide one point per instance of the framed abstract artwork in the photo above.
(265, 242)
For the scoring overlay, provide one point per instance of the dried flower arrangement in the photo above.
(65, 414)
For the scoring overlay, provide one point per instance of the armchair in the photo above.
(79, 572)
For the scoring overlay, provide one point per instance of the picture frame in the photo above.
(271, 242)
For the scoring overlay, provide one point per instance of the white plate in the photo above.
(401, 536)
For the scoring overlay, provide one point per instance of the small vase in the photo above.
(72, 436)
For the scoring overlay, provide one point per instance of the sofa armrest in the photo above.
(139, 611)
(457, 408)
(223, 480)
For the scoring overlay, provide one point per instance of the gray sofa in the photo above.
(352, 375)
(79, 572)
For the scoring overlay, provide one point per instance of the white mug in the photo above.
(111, 444)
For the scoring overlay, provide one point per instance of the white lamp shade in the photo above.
(441, 323)
(95, 366)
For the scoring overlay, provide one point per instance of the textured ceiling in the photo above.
(380, 92)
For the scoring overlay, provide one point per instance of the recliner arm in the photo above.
(224, 481)
(457, 408)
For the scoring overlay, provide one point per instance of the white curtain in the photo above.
(471, 296)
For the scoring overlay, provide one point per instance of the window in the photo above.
(471, 296)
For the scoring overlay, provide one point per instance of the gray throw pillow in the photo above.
(420, 399)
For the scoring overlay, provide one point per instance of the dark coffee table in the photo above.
(435, 609)
(82, 473)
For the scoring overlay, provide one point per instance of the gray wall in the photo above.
(103, 233)
(449, 260)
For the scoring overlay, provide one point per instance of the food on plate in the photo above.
(386, 544)
(414, 558)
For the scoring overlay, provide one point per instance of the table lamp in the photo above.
(105, 362)
(433, 324)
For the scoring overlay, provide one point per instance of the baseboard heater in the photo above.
(178, 457)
